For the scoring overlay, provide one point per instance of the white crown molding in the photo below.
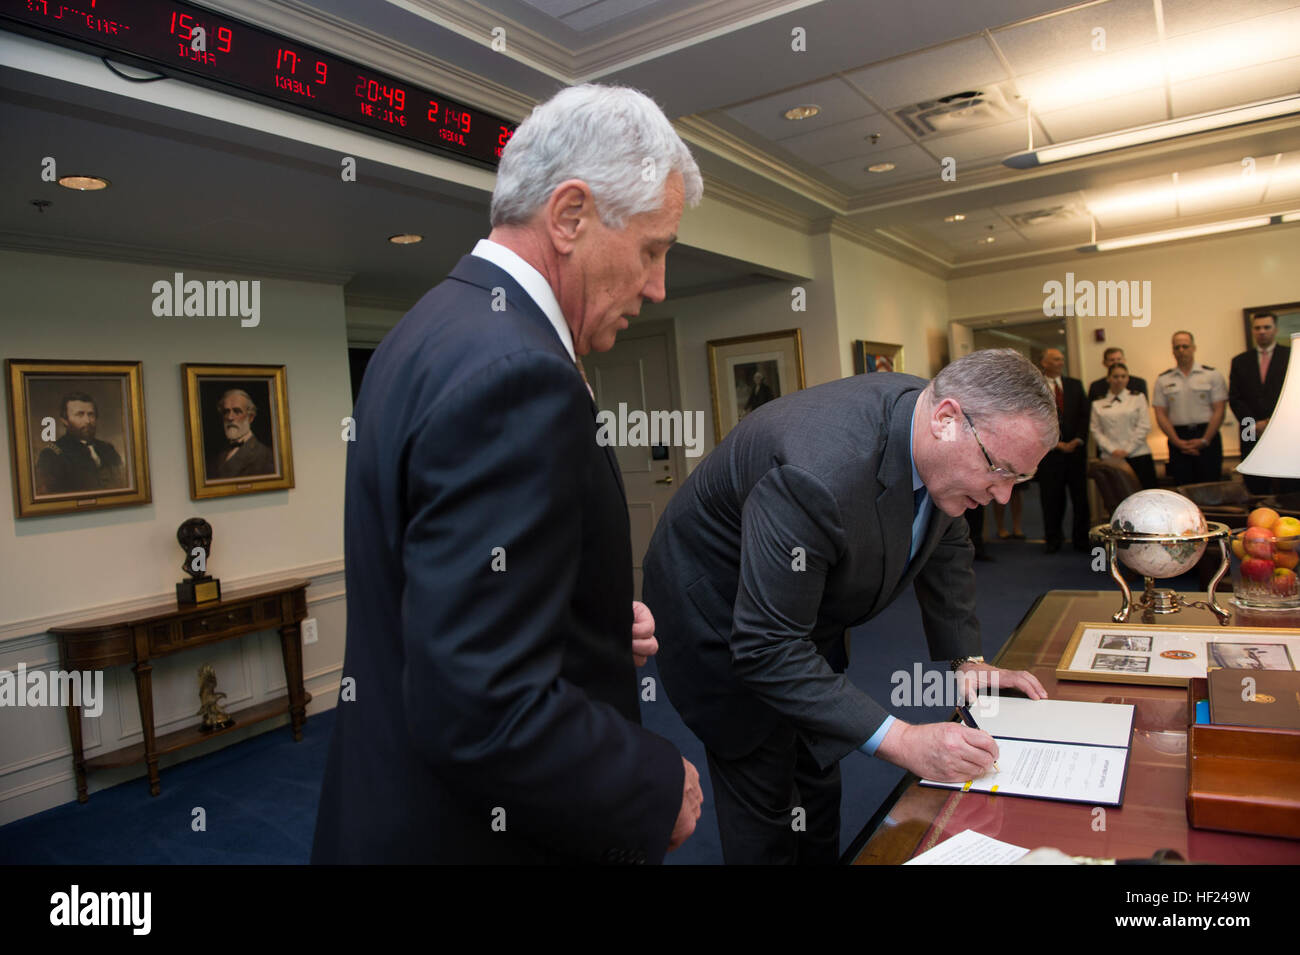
(880, 241)
(147, 255)
(706, 135)
(344, 38)
(326, 584)
(723, 191)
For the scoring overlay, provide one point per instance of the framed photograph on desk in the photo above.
(1170, 656)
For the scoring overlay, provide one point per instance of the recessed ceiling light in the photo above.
(83, 183)
(880, 167)
(955, 217)
(806, 111)
(988, 240)
(405, 238)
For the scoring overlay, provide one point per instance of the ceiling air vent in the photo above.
(956, 112)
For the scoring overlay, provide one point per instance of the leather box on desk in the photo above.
(1241, 778)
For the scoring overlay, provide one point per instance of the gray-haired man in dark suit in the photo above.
(812, 517)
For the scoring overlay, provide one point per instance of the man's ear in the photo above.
(943, 420)
(567, 211)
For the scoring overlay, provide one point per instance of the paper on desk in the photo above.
(969, 847)
(1057, 721)
(1065, 771)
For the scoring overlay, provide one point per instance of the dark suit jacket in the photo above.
(66, 466)
(252, 459)
(1247, 395)
(480, 689)
(1099, 388)
(746, 640)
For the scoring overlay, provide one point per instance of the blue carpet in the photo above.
(260, 795)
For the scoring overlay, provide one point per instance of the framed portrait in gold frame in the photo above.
(750, 371)
(237, 429)
(76, 435)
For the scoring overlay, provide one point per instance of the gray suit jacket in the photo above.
(746, 639)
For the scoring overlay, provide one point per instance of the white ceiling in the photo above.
(726, 71)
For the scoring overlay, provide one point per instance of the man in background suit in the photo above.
(1254, 385)
(490, 616)
(1098, 389)
(812, 516)
(1066, 465)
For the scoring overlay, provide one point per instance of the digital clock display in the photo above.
(187, 40)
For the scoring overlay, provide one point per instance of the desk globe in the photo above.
(1159, 533)
(1167, 514)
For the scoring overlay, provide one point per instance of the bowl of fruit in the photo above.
(1268, 552)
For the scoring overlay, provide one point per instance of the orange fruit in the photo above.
(1264, 517)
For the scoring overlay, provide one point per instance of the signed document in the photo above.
(1054, 749)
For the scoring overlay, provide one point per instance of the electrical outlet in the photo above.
(309, 634)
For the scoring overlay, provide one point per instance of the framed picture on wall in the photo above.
(76, 435)
(1288, 321)
(237, 429)
(876, 356)
(747, 372)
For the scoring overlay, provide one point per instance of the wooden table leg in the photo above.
(291, 646)
(144, 690)
(73, 712)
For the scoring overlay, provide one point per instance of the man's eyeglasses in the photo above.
(1002, 474)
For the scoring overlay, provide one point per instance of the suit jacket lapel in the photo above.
(894, 500)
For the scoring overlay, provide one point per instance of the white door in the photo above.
(640, 373)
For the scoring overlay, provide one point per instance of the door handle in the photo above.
(667, 480)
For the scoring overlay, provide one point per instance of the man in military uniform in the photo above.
(1189, 400)
(242, 455)
(78, 461)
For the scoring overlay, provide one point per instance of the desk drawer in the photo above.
(217, 624)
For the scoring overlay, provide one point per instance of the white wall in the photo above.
(63, 566)
(880, 299)
(1199, 286)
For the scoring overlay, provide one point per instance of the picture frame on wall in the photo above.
(1288, 321)
(876, 356)
(77, 435)
(237, 429)
(747, 372)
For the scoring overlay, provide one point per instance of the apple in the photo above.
(1287, 527)
(1258, 542)
(1262, 517)
(1287, 559)
(1253, 568)
(1284, 582)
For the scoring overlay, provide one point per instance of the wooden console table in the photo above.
(139, 636)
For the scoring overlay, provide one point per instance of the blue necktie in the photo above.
(918, 526)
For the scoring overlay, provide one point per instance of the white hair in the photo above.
(615, 139)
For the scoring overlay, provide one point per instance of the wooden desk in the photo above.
(139, 636)
(1154, 814)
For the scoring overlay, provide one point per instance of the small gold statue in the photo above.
(214, 717)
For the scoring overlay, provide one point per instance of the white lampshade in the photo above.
(1277, 453)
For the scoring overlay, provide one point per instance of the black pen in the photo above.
(970, 721)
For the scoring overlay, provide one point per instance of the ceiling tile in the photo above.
(1218, 188)
(839, 103)
(1190, 16)
(598, 14)
(1109, 115)
(1234, 46)
(1137, 202)
(951, 68)
(1041, 44)
(847, 140)
(556, 8)
(991, 142)
(911, 162)
(1262, 82)
(1090, 78)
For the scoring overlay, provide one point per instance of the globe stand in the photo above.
(1153, 599)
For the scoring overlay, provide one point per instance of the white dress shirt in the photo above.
(1121, 421)
(532, 282)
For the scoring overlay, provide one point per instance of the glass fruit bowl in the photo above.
(1266, 555)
